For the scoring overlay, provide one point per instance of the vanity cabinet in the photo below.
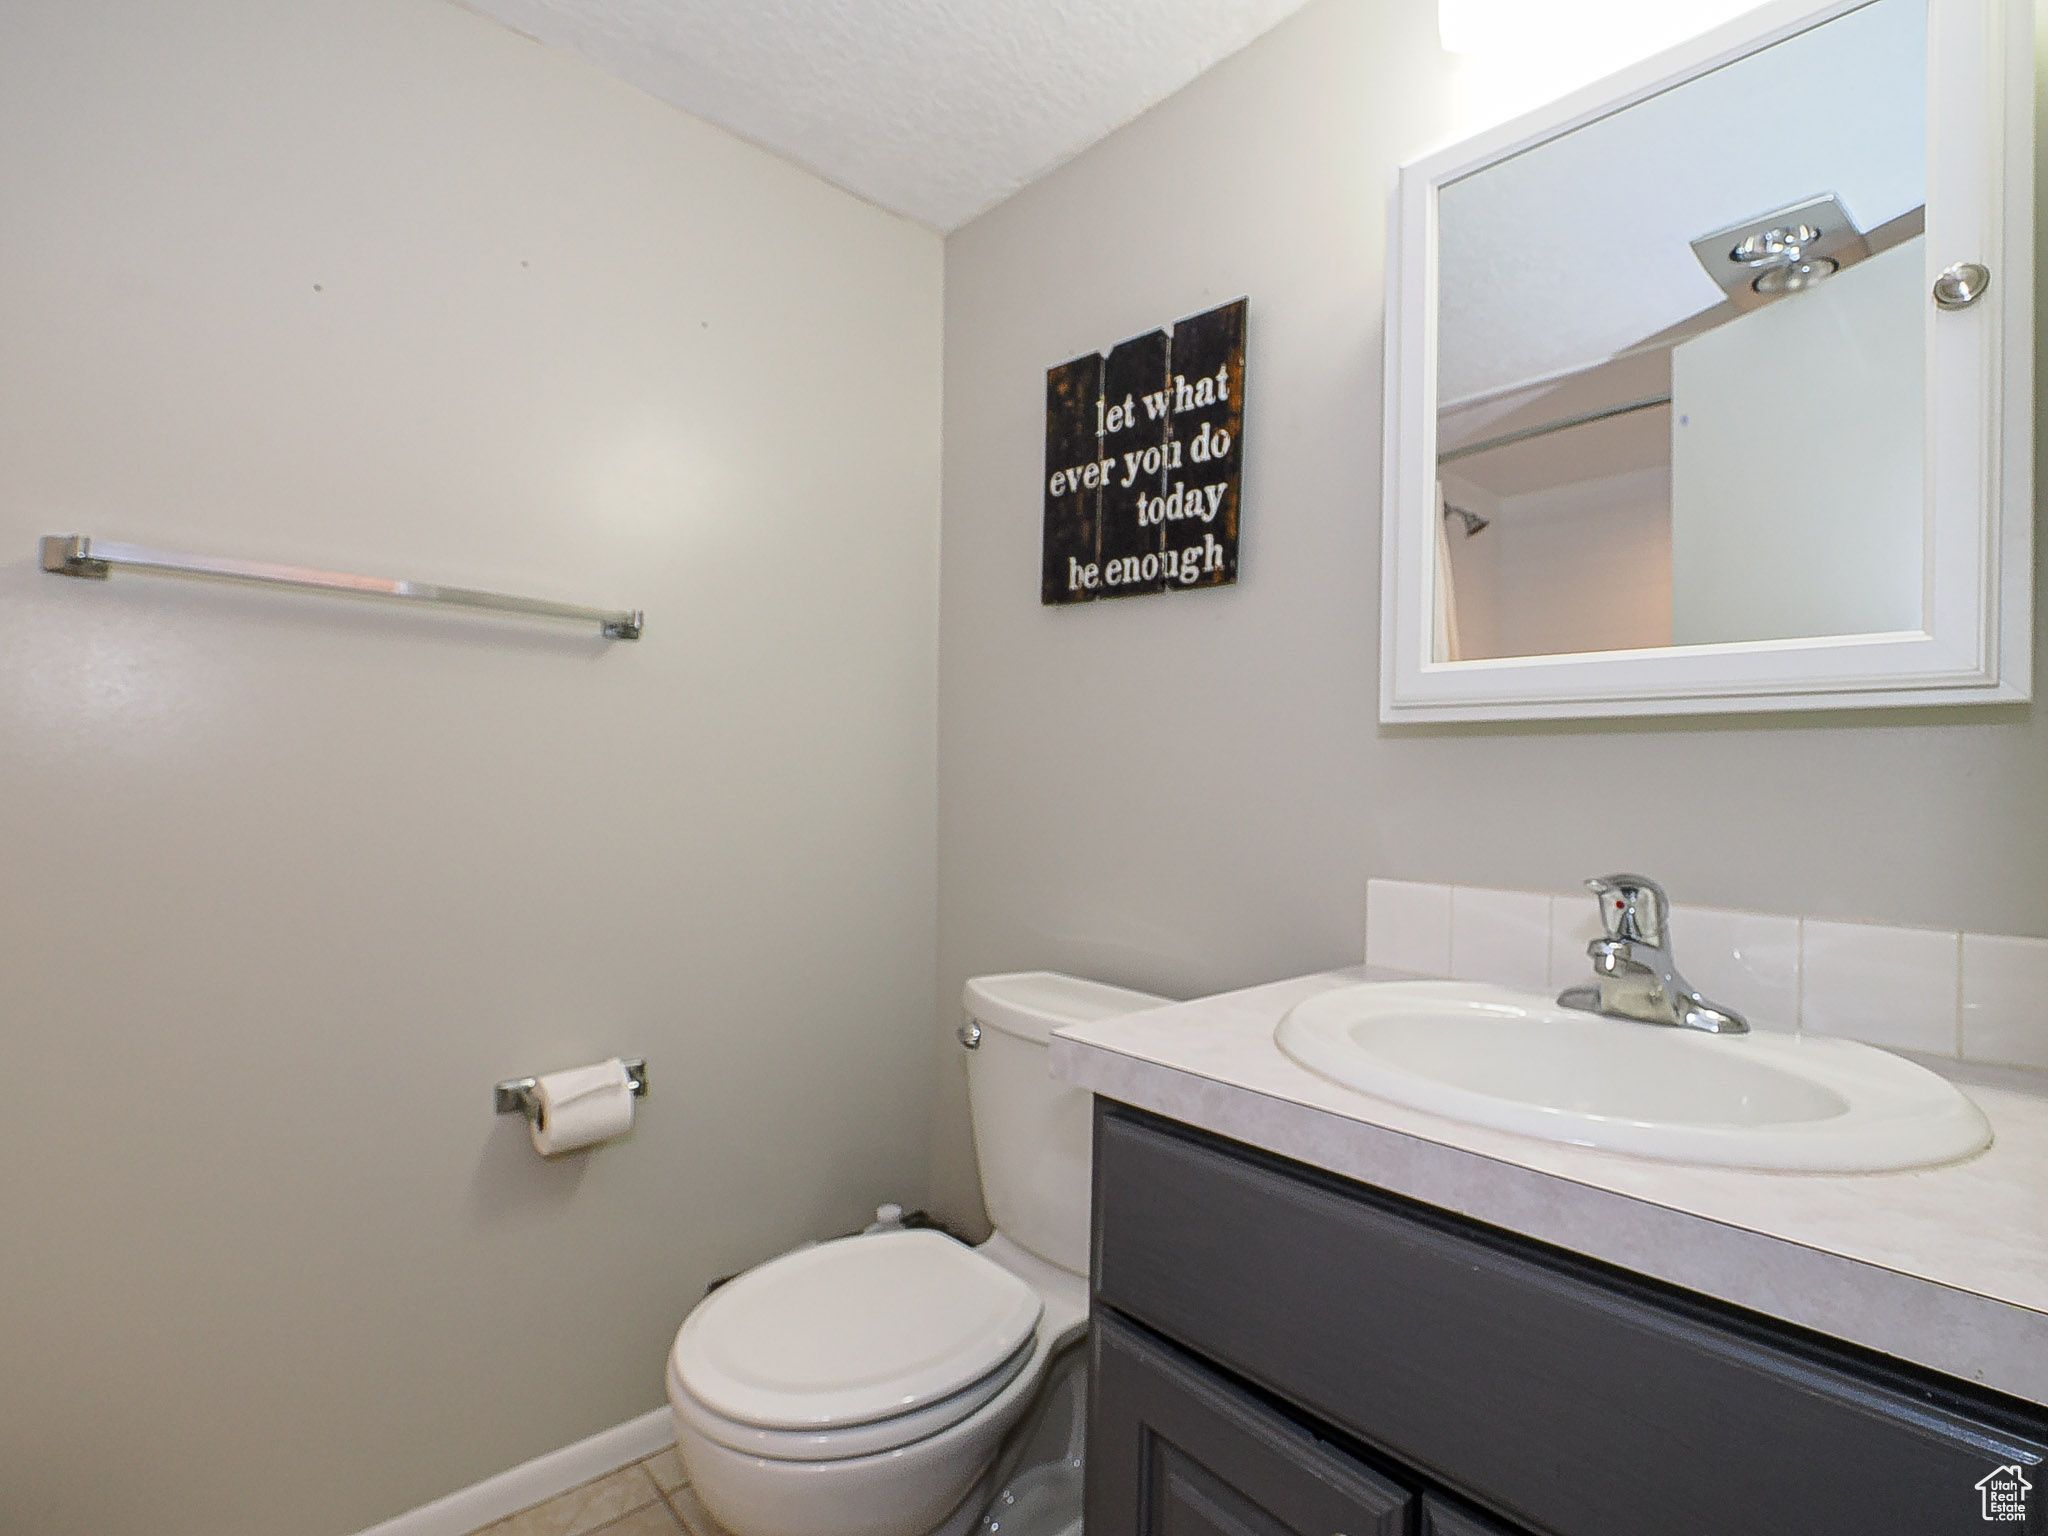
(1278, 1350)
(1186, 1453)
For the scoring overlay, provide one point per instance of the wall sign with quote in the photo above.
(1143, 453)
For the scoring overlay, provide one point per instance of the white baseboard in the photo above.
(463, 1511)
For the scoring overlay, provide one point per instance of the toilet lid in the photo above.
(853, 1331)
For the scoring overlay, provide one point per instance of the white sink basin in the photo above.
(1515, 1061)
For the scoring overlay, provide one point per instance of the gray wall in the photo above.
(1189, 792)
(287, 883)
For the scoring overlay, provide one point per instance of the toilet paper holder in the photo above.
(514, 1096)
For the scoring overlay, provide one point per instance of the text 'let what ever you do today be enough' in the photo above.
(1143, 451)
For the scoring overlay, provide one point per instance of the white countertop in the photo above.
(1945, 1267)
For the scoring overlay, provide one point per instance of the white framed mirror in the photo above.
(1709, 388)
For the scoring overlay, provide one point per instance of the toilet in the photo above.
(865, 1386)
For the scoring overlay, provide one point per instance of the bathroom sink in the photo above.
(1516, 1061)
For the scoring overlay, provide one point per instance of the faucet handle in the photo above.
(1633, 907)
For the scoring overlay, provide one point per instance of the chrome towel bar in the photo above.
(94, 559)
(514, 1096)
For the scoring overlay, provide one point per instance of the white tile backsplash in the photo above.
(2005, 1000)
(1500, 936)
(1748, 961)
(1885, 986)
(1978, 996)
(1408, 926)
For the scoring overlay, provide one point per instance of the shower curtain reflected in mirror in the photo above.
(1447, 643)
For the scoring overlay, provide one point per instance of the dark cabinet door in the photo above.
(1175, 1450)
(1441, 1518)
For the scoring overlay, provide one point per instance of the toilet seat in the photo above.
(833, 1485)
(909, 1330)
(854, 1440)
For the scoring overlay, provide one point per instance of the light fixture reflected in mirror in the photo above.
(1794, 276)
(1774, 246)
(1779, 256)
(1792, 249)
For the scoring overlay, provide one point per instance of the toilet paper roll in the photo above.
(581, 1107)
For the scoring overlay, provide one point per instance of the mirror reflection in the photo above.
(1681, 362)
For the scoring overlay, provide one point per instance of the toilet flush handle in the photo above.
(969, 1035)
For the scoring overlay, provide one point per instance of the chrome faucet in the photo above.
(1634, 976)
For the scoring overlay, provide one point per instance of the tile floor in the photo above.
(645, 1498)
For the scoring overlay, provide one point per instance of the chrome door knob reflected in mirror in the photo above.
(1961, 285)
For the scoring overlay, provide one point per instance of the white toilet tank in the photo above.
(1031, 1133)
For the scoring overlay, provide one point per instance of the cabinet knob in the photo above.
(1961, 285)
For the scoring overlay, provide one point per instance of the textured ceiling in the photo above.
(935, 109)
